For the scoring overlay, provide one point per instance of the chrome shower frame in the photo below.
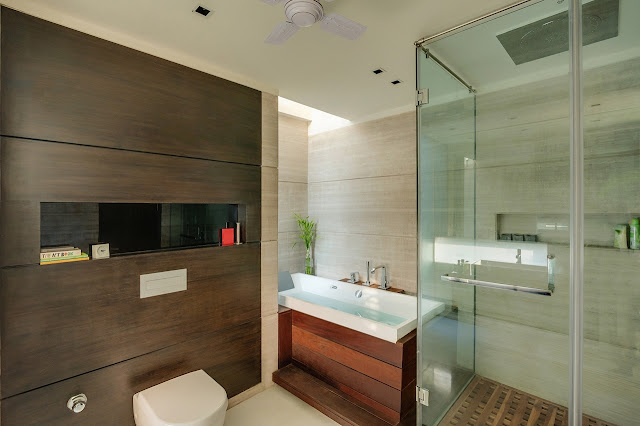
(576, 221)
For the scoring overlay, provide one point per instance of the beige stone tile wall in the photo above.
(292, 190)
(362, 191)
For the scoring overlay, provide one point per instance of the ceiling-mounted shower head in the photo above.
(550, 35)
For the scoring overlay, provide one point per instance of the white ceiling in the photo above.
(314, 68)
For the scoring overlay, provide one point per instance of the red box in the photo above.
(226, 236)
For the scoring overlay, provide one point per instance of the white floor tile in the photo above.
(275, 407)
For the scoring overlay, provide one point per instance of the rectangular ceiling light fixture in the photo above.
(550, 35)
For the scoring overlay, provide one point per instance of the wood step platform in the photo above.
(328, 400)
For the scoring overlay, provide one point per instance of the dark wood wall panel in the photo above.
(62, 320)
(86, 120)
(231, 357)
(44, 171)
(284, 336)
(19, 232)
(67, 86)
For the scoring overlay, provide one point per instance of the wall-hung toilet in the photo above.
(194, 399)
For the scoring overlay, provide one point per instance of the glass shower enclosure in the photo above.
(524, 235)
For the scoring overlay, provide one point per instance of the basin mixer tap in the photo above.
(383, 282)
(368, 282)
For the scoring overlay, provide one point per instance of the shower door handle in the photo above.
(499, 286)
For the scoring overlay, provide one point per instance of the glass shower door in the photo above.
(494, 219)
(446, 186)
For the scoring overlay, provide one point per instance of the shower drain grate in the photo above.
(485, 402)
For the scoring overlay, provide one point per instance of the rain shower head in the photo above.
(550, 35)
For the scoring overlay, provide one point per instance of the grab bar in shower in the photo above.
(488, 284)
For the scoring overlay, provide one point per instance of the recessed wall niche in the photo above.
(136, 227)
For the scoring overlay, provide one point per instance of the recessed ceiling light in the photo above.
(378, 71)
(394, 82)
(202, 11)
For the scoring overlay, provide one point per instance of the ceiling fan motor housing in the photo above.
(303, 13)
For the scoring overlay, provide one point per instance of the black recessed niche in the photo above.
(136, 227)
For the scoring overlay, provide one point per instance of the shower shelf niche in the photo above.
(133, 228)
(554, 228)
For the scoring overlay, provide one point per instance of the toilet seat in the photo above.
(193, 399)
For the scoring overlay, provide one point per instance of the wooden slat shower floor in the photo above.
(485, 402)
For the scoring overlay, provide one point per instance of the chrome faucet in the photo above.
(368, 281)
(383, 283)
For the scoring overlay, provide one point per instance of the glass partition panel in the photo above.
(611, 104)
(446, 209)
(494, 216)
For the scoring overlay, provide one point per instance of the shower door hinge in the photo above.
(422, 97)
(422, 396)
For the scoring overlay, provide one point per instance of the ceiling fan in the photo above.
(305, 13)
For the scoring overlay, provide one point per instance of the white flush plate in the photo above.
(162, 283)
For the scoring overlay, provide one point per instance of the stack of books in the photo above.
(62, 254)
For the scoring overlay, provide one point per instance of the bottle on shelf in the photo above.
(634, 234)
(620, 236)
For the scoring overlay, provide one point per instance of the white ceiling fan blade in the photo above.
(272, 2)
(281, 33)
(339, 25)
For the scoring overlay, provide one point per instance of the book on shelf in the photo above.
(59, 252)
(82, 257)
(56, 248)
(53, 259)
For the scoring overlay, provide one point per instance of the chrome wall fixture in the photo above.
(447, 69)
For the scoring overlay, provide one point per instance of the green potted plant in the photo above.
(307, 235)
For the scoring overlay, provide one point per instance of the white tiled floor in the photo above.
(275, 407)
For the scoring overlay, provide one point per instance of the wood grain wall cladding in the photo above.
(231, 357)
(391, 353)
(67, 86)
(19, 232)
(284, 336)
(62, 320)
(43, 171)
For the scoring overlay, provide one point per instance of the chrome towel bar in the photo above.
(499, 286)
(551, 281)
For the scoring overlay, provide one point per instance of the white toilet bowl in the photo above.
(194, 399)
